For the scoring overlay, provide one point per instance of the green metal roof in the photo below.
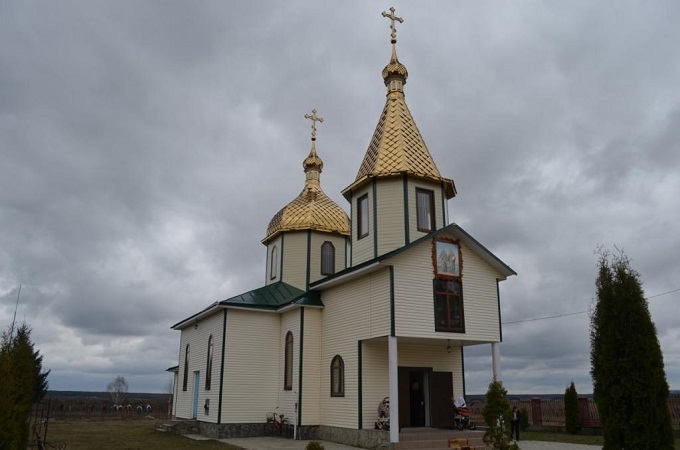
(274, 296)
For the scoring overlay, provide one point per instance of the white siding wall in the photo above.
(197, 338)
(270, 247)
(252, 374)
(311, 355)
(357, 310)
(362, 249)
(318, 239)
(414, 296)
(390, 201)
(480, 298)
(375, 379)
(290, 321)
(295, 258)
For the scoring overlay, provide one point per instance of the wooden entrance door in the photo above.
(441, 393)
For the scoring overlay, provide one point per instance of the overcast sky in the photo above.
(144, 147)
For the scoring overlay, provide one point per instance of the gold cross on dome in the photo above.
(392, 18)
(314, 118)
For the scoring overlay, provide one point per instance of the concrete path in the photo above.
(274, 443)
(539, 445)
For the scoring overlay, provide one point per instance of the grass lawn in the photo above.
(124, 435)
(140, 435)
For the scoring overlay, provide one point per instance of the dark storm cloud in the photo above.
(145, 147)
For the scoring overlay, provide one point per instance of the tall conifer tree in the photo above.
(572, 417)
(22, 382)
(629, 381)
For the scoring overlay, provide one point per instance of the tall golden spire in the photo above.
(394, 70)
(313, 165)
(312, 209)
(397, 147)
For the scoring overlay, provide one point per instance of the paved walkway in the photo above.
(274, 443)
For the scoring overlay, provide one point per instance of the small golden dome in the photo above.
(312, 209)
(394, 67)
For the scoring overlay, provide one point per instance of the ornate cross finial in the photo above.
(392, 18)
(314, 118)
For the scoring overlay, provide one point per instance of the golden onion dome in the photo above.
(312, 209)
(394, 68)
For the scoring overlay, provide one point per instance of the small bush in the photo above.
(524, 423)
(315, 445)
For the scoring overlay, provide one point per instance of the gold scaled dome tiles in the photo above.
(312, 209)
(397, 147)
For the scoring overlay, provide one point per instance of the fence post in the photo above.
(536, 415)
(584, 412)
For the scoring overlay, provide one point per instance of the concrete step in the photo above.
(438, 439)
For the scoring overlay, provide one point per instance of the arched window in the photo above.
(337, 377)
(186, 368)
(209, 363)
(273, 263)
(327, 258)
(288, 367)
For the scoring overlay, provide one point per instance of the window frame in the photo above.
(327, 258)
(185, 381)
(451, 300)
(362, 214)
(337, 376)
(288, 363)
(209, 363)
(447, 267)
(430, 208)
(273, 263)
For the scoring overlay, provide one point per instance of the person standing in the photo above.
(515, 421)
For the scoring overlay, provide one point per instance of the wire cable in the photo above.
(577, 312)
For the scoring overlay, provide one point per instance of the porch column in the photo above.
(496, 357)
(394, 389)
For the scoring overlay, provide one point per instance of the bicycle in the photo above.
(277, 420)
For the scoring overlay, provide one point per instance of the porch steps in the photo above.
(436, 439)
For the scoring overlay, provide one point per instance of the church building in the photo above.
(354, 309)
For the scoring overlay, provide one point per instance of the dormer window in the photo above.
(327, 258)
(425, 210)
(362, 216)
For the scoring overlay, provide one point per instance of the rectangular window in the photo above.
(448, 305)
(425, 210)
(362, 216)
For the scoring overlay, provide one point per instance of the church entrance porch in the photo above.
(425, 398)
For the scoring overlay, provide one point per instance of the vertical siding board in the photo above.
(252, 358)
(290, 321)
(390, 201)
(311, 377)
(295, 259)
(362, 249)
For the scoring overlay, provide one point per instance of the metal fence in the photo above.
(549, 412)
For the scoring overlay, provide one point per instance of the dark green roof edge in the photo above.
(271, 297)
(406, 247)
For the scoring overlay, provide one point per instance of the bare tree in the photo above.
(118, 390)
